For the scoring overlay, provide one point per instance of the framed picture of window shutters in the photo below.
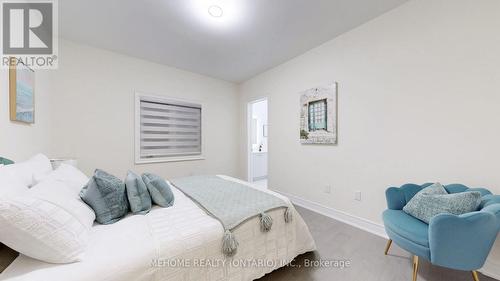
(318, 115)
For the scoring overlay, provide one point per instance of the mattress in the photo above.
(180, 243)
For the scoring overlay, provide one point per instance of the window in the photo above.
(317, 115)
(167, 130)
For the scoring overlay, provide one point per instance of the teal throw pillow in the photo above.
(432, 201)
(106, 195)
(5, 161)
(138, 194)
(159, 189)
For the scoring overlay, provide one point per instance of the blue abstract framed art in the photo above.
(21, 93)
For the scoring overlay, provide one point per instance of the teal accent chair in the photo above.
(458, 242)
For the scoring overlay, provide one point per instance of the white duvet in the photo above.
(180, 243)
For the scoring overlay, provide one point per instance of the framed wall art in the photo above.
(22, 93)
(318, 115)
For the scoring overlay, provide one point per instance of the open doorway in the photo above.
(257, 142)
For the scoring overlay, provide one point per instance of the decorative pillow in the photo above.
(137, 193)
(27, 171)
(414, 206)
(106, 195)
(159, 189)
(436, 188)
(5, 161)
(41, 230)
(424, 206)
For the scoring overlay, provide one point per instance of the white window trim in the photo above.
(137, 133)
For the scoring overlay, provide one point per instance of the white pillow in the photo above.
(69, 175)
(41, 230)
(62, 188)
(61, 195)
(26, 172)
(9, 184)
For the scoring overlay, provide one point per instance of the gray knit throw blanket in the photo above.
(232, 204)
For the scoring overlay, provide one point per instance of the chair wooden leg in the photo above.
(415, 267)
(388, 246)
(475, 276)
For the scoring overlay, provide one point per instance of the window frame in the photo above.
(137, 128)
(313, 105)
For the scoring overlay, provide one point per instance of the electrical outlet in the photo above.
(357, 195)
(328, 189)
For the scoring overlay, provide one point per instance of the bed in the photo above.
(179, 243)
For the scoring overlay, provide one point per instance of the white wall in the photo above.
(85, 109)
(418, 101)
(19, 141)
(93, 105)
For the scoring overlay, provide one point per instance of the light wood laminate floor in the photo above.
(338, 241)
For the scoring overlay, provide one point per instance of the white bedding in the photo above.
(128, 249)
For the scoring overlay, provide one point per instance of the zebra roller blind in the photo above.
(168, 129)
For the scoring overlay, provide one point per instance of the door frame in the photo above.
(249, 135)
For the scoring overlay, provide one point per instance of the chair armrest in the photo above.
(493, 209)
(462, 242)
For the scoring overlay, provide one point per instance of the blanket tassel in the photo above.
(229, 244)
(288, 215)
(266, 222)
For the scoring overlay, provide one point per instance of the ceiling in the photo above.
(251, 36)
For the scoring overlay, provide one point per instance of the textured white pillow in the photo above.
(9, 184)
(62, 188)
(26, 172)
(42, 230)
(61, 195)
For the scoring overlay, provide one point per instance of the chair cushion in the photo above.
(407, 226)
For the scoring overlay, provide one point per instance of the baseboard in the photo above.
(344, 217)
(490, 269)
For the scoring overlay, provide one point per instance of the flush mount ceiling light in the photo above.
(218, 15)
(215, 11)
